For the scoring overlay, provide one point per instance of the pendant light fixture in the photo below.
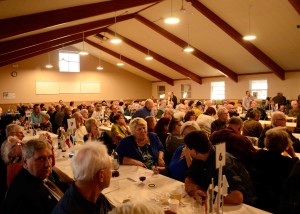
(120, 63)
(188, 48)
(83, 52)
(99, 65)
(250, 36)
(148, 57)
(116, 40)
(49, 65)
(172, 19)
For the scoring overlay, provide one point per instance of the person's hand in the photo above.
(155, 170)
(290, 150)
(161, 162)
(200, 196)
(186, 152)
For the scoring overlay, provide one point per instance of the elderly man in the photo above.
(172, 98)
(203, 169)
(144, 111)
(236, 144)
(253, 105)
(36, 115)
(80, 128)
(295, 111)
(28, 192)
(278, 119)
(85, 114)
(220, 123)
(252, 126)
(246, 100)
(91, 167)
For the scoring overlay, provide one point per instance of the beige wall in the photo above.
(290, 86)
(115, 83)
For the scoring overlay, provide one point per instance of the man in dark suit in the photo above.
(29, 191)
(173, 98)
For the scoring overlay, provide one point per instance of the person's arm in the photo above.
(161, 161)
(187, 154)
(193, 189)
(131, 161)
(234, 198)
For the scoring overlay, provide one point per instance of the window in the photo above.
(259, 88)
(161, 92)
(186, 90)
(69, 61)
(217, 91)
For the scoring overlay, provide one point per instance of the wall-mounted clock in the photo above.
(14, 74)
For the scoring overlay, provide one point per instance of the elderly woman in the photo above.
(11, 153)
(15, 130)
(272, 167)
(182, 158)
(142, 148)
(46, 124)
(92, 129)
(119, 129)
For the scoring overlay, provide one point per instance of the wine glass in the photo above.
(142, 177)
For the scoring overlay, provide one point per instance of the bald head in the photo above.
(278, 119)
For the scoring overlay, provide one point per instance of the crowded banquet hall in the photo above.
(169, 106)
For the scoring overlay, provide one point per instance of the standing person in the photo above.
(246, 100)
(91, 166)
(144, 111)
(29, 193)
(172, 98)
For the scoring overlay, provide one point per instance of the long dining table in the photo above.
(155, 189)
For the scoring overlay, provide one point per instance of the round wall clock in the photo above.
(14, 74)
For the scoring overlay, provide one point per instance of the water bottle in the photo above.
(115, 160)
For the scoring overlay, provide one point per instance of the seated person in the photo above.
(220, 123)
(253, 105)
(91, 166)
(182, 158)
(119, 129)
(294, 110)
(80, 131)
(46, 124)
(92, 129)
(236, 144)
(21, 121)
(205, 120)
(29, 193)
(174, 140)
(162, 131)
(151, 123)
(142, 148)
(189, 116)
(203, 169)
(272, 167)
(252, 126)
(11, 153)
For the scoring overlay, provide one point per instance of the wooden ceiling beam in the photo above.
(160, 58)
(296, 5)
(199, 54)
(133, 63)
(23, 24)
(46, 45)
(257, 53)
(24, 42)
(42, 51)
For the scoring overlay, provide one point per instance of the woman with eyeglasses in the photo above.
(119, 129)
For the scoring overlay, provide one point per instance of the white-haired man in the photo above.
(144, 111)
(91, 167)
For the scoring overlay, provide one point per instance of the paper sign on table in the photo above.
(220, 155)
(28, 113)
(71, 123)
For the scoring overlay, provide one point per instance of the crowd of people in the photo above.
(171, 137)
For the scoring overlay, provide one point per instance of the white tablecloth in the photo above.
(128, 187)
